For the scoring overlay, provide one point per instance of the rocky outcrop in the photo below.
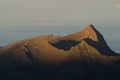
(78, 56)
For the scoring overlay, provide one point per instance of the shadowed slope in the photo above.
(94, 38)
(84, 55)
(56, 48)
(65, 44)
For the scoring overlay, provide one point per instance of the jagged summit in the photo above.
(91, 25)
(90, 35)
(68, 57)
(88, 32)
(55, 45)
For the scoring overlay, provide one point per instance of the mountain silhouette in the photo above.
(83, 55)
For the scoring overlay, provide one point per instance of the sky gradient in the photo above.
(28, 18)
(58, 12)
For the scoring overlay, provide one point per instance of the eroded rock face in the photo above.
(78, 56)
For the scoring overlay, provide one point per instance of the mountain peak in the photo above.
(91, 25)
(93, 37)
(90, 32)
(96, 39)
(89, 28)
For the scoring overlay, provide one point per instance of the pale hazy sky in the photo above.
(59, 12)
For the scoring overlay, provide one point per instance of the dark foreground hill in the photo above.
(84, 55)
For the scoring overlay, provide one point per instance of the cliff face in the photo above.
(82, 51)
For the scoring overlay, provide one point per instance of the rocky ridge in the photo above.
(83, 50)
